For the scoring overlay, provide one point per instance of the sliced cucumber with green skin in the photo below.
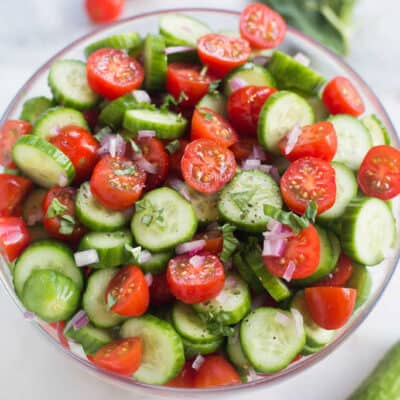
(247, 273)
(193, 349)
(155, 63)
(377, 130)
(189, 325)
(167, 125)
(38, 232)
(346, 190)
(242, 200)
(56, 118)
(307, 350)
(281, 113)
(163, 355)
(214, 101)
(94, 302)
(42, 162)
(113, 113)
(180, 29)
(189, 57)
(205, 206)
(291, 74)
(69, 85)
(34, 107)
(368, 230)
(361, 281)
(126, 41)
(110, 247)
(320, 111)
(33, 206)
(353, 138)
(46, 254)
(271, 338)
(89, 337)
(95, 216)
(235, 352)
(163, 219)
(157, 263)
(50, 295)
(251, 74)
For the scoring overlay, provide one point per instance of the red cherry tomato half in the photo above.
(222, 53)
(340, 275)
(92, 117)
(214, 241)
(309, 179)
(244, 148)
(195, 279)
(379, 173)
(112, 73)
(59, 328)
(185, 379)
(330, 307)
(176, 157)
(341, 97)
(159, 291)
(13, 189)
(14, 237)
(104, 11)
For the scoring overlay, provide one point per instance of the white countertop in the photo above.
(30, 32)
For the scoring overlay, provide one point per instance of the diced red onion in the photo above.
(112, 144)
(146, 134)
(274, 226)
(197, 261)
(274, 247)
(252, 375)
(265, 168)
(274, 172)
(180, 187)
(178, 49)
(79, 320)
(212, 227)
(282, 318)
(35, 217)
(250, 164)
(237, 83)
(62, 180)
(29, 315)
(149, 279)
(145, 256)
(302, 59)
(141, 96)
(54, 131)
(188, 247)
(198, 361)
(298, 320)
(85, 258)
(292, 137)
(261, 60)
(258, 301)
(230, 282)
(147, 166)
(258, 153)
(289, 271)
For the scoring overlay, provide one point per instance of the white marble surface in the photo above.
(30, 32)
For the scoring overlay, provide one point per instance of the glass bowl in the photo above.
(322, 59)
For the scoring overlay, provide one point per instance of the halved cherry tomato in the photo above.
(222, 53)
(330, 307)
(121, 356)
(176, 157)
(14, 237)
(318, 140)
(303, 249)
(59, 214)
(92, 117)
(13, 190)
(244, 148)
(195, 279)
(103, 11)
(9, 134)
(340, 275)
(214, 241)
(341, 97)
(379, 173)
(189, 79)
(215, 371)
(263, 27)
(207, 166)
(185, 379)
(207, 124)
(244, 106)
(159, 291)
(309, 179)
(117, 182)
(112, 73)
(80, 147)
(59, 328)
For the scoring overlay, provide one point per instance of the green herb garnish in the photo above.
(56, 208)
(103, 132)
(173, 147)
(170, 100)
(212, 88)
(230, 243)
(125, 172)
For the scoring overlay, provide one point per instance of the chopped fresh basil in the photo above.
(173, 146)
(125, 172)
(56, 208)
(230, 243)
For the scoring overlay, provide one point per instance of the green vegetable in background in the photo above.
(327, 21)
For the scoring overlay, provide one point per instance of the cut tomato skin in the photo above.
(104, 11)
(307, 179)
(341, 97)
(303, 249)
(340, 275)
(214, 241)
(207, 124)
(244, 148)
(59, 328)
(263, 27)
(176, 157)
(330, 307)
(122, 356)
(318, 140)
(379, 173)
(13, 189)
(194, 284)
(14, 237)
(112, 73)
(159, 291)
(215, 371)
(185, 379)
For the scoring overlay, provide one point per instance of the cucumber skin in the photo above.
(246, 273)
(113, 113)
(193, 349)
(85, 336)
(361, 281)
(158, 263)
(383, 382)
(125, 41)
(155, 62)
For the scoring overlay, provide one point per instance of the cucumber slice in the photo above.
(34, 107)
(353, 140)
(179, 29)
(89, 337)
(235, 352)
(368, 230)
(205, 206)
(42, 162)
(155, 63)
(189, 325)
(157, 263)
(128, 41)
(242, 200)
(37, 233)
(187, 57)
(247, 273)
(163, 219)
(193, 349)
(95, 216)
(271, 338)
(361, 281)
(50, 295)
(231, 305)
(113, 113)
(308, 350)
(110, 247)
(94, 299)
(251, 74)
(163, 354)
(214, 101)
(33, 206)
(281, 113)
(291, 74)
(320, 111)
(46, 254)
(56, 118)
(69, 85)
(346, 190)
(377, 130)
(167, 125)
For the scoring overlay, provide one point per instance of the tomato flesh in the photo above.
(14, 237)
(340, 275)
(104, 11)
(185, 379)
(176, 157)
(214, 241)
(13, 189)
